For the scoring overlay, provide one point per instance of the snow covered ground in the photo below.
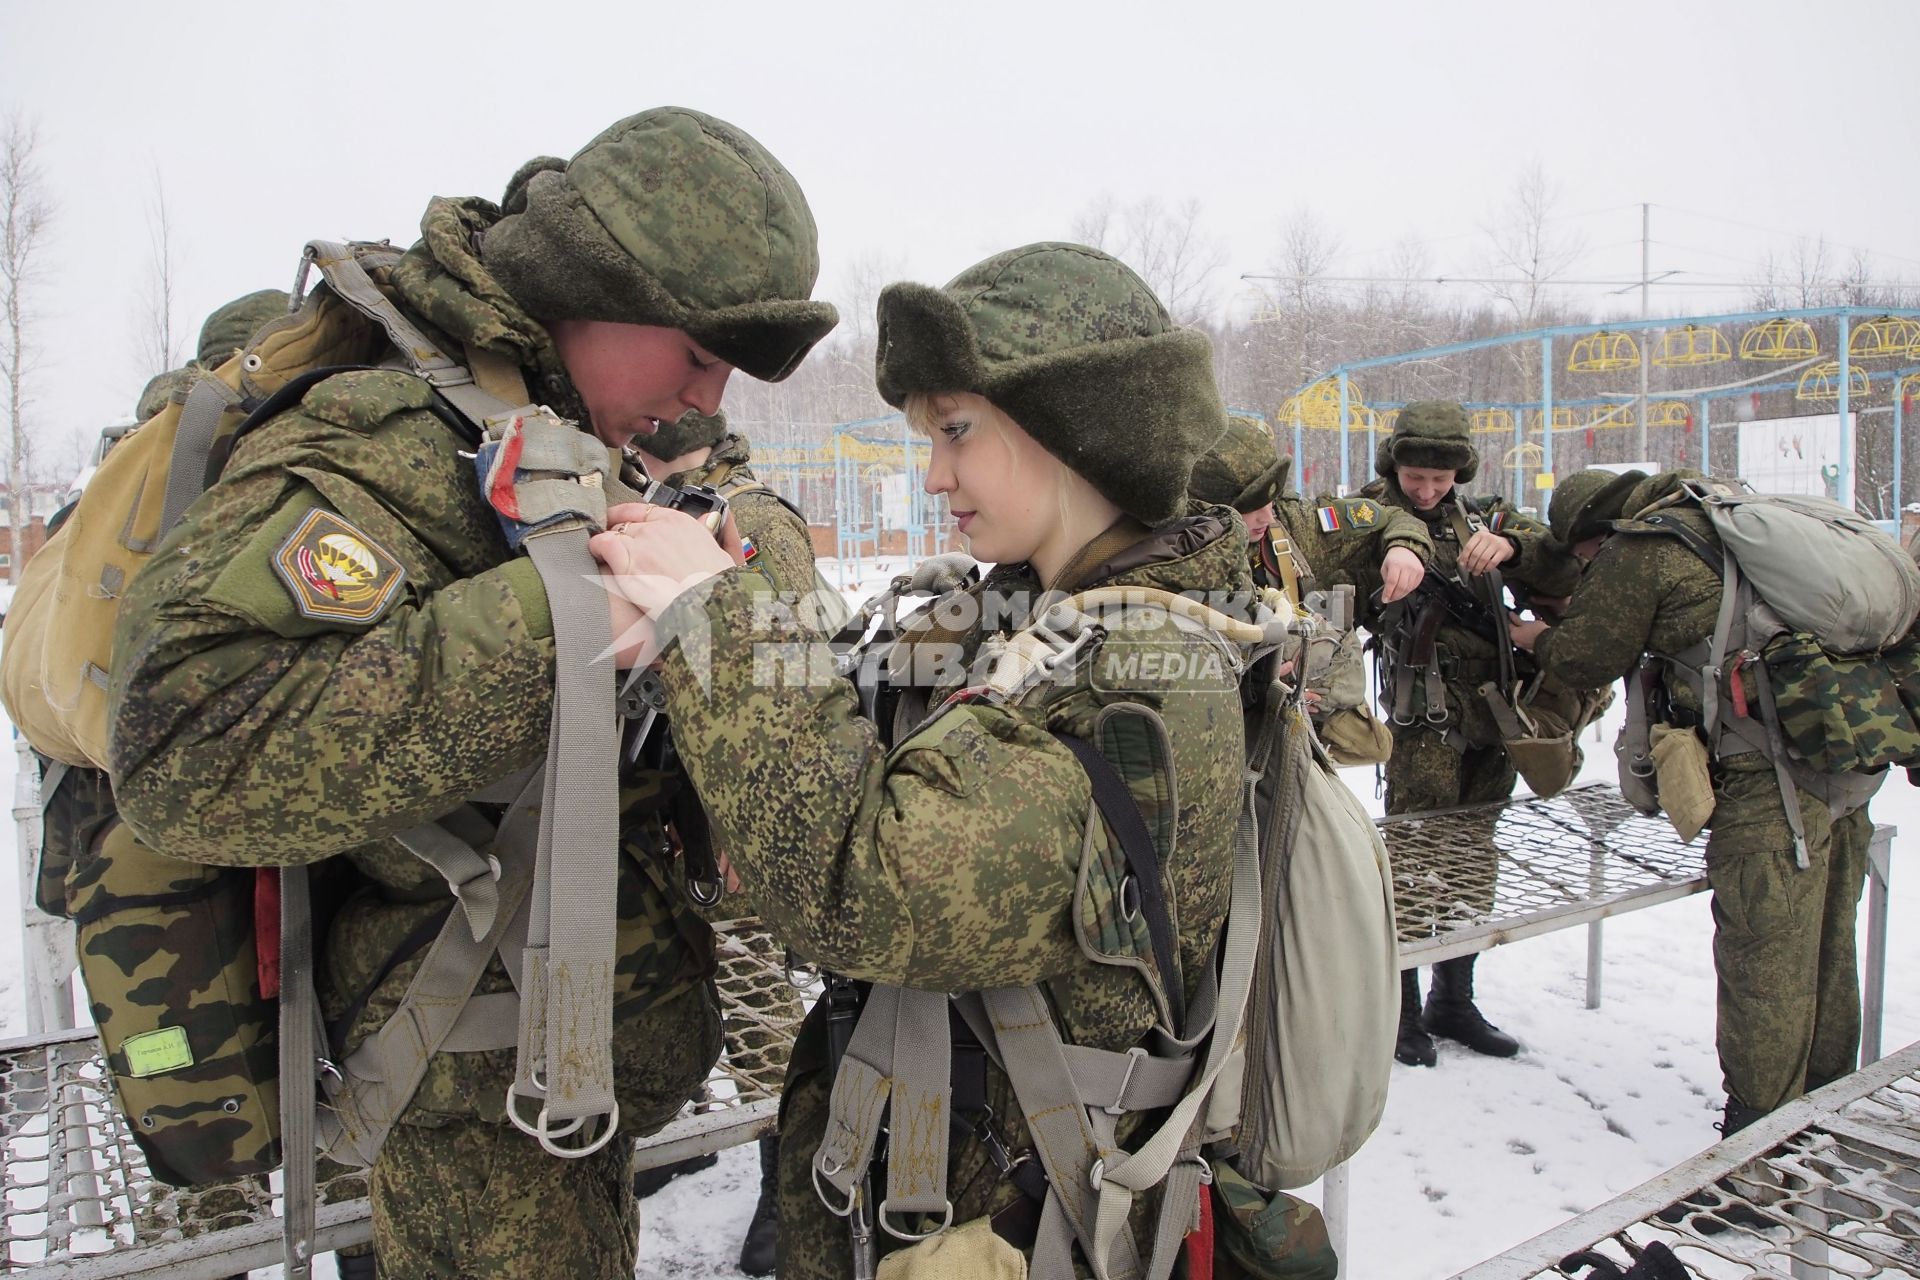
(1473, 1156)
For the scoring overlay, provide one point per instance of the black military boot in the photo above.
(1414, 1046)
(648, 1181)
(1451, 1012)
(1710, 1213)
(355, 1266)
(756, 1252)
(1737, 1116)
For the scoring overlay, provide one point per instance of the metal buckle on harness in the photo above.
(542, 1132)
(853, 1192)
(1115, 1108)
(890, 1229)
(706, 893)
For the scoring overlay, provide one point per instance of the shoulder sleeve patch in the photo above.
(334, 572)
(363, 399)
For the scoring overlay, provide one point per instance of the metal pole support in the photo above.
(1334, 1189)
(1873, 995)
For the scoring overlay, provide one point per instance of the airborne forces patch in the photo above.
(334, 572)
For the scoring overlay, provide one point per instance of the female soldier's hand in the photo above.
(1485, 550)
(654, 554)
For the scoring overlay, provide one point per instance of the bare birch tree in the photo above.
(157, 345)
(24, 216)
(1524, 248)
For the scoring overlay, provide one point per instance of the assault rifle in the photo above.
(1465, 609)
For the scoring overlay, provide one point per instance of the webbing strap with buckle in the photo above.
(566, 976)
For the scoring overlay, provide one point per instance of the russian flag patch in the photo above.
(1329, 519)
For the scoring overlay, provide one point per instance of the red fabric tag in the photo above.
(506, 466)
(1200, 1242)
(266, 929)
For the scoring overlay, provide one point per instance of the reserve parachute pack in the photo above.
(215, 1076)
(1813, 657)
(1280, 1066)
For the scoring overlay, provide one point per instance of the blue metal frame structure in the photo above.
(1545, 337)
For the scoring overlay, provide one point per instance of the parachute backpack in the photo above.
(1820, 671)
(1311, 887)
(196, 1069)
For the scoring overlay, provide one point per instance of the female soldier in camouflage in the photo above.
(1065, 412)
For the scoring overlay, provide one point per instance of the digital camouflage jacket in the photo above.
(962, 858)
(1646, 592)
(1343, 541)
(257, 721)
(784, 549)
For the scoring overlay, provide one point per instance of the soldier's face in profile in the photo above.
(1425, 486)
(636, 377)
(1002, 487)
(1258, 522)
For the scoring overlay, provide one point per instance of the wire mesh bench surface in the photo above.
(1829, 1185)
(80, 1203)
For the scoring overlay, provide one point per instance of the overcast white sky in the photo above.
(929, 136)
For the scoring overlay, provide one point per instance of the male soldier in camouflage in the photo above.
(226, 331)
(700, 450)
(256, 723)
(1451, 753)
(1783, 946)
(1371, 547)
(963, 858)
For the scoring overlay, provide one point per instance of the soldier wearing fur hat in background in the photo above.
(1783, 945)
(967, 857)
(1300, 548)
(225, 332)
(1449, 750)
(622, 288)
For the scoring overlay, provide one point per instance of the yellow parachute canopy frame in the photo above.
(1493, 422)
(1562, 419)
(1611, 418)
(1691, 345)
(1604, 352)
(1779, 339)
(1668, 413)
(1885, 337)
(1822, 382)
(1318, 406)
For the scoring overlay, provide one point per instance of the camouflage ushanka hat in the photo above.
(1587, 501)
(694, 430)
(1073, 346)
(1244, 470)
(231, 327)
(672, 218)
(1430, 433)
